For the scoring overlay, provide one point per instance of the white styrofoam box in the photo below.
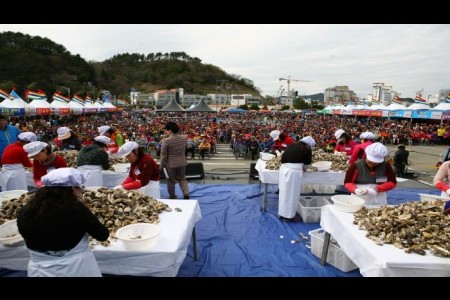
(307, 189)
(324, 188)
(309, 208)
(431, 197)
(336, 257)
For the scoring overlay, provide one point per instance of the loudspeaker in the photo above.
(195, 171)
(253, 173)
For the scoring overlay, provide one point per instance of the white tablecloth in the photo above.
(272, 176)
(374, 260)
(162, 260)
(110, 178)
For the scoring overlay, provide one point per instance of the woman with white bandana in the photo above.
(56, 226)
(15, 160)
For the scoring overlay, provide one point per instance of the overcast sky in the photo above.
(407, 57)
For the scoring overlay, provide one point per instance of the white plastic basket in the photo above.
(324, 188)
(336, 257)
(309, 208)
(431, 197)
(307, 189)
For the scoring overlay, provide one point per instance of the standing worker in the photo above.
(401, 160)
(144, 171)
(281, 140)
(372, 177)
(92, 159)
(441, 182)
(69, 139)
(293, 159)
(15, 160)
(174, 160)
(55, 225)
(367, 139)
(8, 134)
(116, 138)
(44, 160)
(344, 142)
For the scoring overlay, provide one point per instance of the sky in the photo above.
(407, 57)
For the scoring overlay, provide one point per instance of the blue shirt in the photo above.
(8, 136)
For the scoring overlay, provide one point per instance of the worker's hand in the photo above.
(118, 187)
(372, 192)
(447, 208)
(347, 162)
(360, 191)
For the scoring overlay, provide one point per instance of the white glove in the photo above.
(372, 192)
(448, 192)
(118, 187)
(360, 191)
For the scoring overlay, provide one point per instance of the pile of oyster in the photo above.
(71, 158)
(339, 163)
(413, 226)
(113, 208)
(117, 208)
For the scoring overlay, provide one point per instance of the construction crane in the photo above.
(289, 82)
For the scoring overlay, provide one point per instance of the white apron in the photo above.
(13, 177)
(290, 180)
(78, 262)
(151, 189)
(379, 199)
(93, 174)
(444, 194)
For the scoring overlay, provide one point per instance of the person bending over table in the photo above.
(372, 177)
(293, 159)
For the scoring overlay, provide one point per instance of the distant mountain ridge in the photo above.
(33, 62)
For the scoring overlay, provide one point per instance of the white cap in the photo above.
(126, 148)
(339, 133)
(102, 139)
(367, 135)
(63, 177)
(27, 137)
(63, 133)
(34, 148)
(376, 152)
(309, 141)
(275, 134)
(103, 129)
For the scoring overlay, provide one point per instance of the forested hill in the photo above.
(39, 63)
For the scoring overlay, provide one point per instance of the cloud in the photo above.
(407, 57)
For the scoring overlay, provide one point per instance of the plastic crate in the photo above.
(307, 189)
(336, 257)
(431, 197)
(309, 208)
(324, 188)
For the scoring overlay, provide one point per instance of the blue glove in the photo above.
(447, 208)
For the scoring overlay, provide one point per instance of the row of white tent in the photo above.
(58, 106)
(443, 106)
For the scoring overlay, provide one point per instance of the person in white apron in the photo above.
(69, 139)
(290, 178)
(372, 177)
(92, 159)
(57, 237)
(144, 171)
(44, 160)
(15, 160)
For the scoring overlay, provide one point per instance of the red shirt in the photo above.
(14, 154)
(40, 170)
(282, 144)
(141, 172)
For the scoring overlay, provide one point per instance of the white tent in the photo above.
(418, 106)
(361, 106)
(377, 106)
(60, 105)
(395, 106)
(76, 105)
(89, 107)
(442, 106)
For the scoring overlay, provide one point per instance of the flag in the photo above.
(4, 94)
(31, 95)
(78, 99)
(60, 98)
(397, 100)
(420, 99)
(89, 100)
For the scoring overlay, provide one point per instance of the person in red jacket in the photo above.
(144, 171)
(281, 140)
(44, 160)
(367, 139)
(15, 160)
